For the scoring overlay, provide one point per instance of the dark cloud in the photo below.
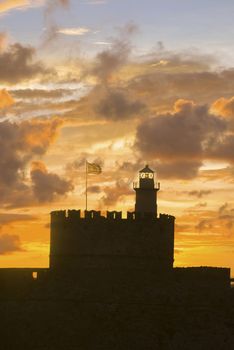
(180, 141)
(17, 64)
(116, 106)
(179, 135)
(47, 186)
(51, 27)
(104, 100)
(19, 144)
(149, 83)
(116, 193)
(153, 89)
(199, 194)
(222, 148)
(107, 103)
(94, 189)
(9, 244)
(107, 63)
(164, 77)
(178, 169)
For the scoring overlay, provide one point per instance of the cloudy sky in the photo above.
(120, 83)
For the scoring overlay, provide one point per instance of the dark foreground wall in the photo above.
(19, 282)
(111, 285)
(203, 278)
(89, 310)
(168, 323)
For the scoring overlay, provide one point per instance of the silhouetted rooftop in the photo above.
(146, 170)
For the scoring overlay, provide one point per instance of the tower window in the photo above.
(146, 176)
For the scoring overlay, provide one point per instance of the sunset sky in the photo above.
(120, 83)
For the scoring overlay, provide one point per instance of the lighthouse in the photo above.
(146, 193)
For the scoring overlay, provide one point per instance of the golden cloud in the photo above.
(7, 5)
(224, 107)
(73, 31)
(39, 134)
(3, 40)
(6, 100)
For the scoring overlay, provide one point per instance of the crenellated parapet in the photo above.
(73, 215)
(140, 216)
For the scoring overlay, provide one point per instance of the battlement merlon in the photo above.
(166, 217)
(59, 215)
(76, 215)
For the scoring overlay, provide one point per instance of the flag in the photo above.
(93, 168)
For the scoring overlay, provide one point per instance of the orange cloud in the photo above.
(3, 40)
(7, 5)
(38, 165)
(224, 107)
(6, 100)
(39, 134)
(182, 105)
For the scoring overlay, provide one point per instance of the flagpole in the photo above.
(86, 186)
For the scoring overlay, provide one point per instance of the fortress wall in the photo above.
(110, 242)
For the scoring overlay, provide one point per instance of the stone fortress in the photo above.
(141, 241)
(107, 257)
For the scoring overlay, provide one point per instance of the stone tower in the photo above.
(146, 193)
